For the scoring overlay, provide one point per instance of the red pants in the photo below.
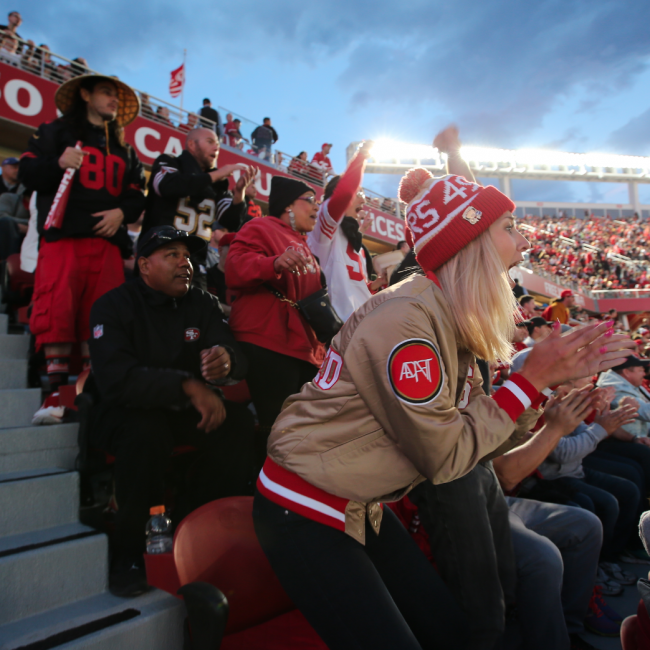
(71, 274)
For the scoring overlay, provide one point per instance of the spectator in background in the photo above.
(9, 179)
(82, 260)
(14, 221)
(336, 240)
(39, 61)
(627, 380)
(14, 21)
(162, 116)
(233, 134)
(267, 256)
(216, 280)
(253, 211)
(192, 121)
(9, 50)
(159, 350)
(145, 107)
(538, 330)
(299, 166)
(189, 193)
(518, 290)
(559, 308)
(263, 138)
(321, 159)
(211, 118)
(527, 305)
(77, 67)
(403, 246)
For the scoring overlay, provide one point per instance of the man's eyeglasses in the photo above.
(309, 199)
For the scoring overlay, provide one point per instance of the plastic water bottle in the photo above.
(159, 531)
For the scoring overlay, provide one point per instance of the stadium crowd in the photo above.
(590, 250)
(175, 290)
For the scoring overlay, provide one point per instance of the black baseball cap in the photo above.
(154, 238)
(537, 321)
(633, 362)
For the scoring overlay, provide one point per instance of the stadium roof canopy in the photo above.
(392, 157)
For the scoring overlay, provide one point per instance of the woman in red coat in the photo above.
(282, 349)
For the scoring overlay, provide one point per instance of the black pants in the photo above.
(10, 237)
(381, 596)
(468, 525)
(271, 378)
(142, 441)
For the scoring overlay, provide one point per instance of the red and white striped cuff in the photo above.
(290, 491)
(516, 395)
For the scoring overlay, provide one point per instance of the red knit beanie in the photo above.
(449, 215)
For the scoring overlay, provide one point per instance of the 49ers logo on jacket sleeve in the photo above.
(415, 371)
(192, 334)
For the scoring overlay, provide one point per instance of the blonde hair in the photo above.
(476, 286)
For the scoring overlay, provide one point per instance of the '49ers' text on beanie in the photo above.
(448, 215)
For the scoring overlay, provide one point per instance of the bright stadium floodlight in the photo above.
(385, 150)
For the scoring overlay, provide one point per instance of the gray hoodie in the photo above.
(641, 426)
(566, 458)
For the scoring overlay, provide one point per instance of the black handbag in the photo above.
(317, 310)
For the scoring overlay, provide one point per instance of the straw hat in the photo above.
(129, 107)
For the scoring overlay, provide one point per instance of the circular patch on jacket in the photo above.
(415, 371)
(192, 334)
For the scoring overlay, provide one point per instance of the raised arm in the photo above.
(448, 142)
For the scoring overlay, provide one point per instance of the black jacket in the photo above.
(213, 115)
(182, 195)
(264, 136)
(105, 181)
(144, 344)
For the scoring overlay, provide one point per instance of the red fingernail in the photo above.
(603, 349)
(609, 323)
(609, 333)
(556, 325)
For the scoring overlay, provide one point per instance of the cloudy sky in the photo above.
(563, 74)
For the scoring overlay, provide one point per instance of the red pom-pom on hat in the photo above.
(412, 183)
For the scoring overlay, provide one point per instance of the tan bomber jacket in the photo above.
(394, 403)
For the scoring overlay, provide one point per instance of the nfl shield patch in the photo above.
(98, 331)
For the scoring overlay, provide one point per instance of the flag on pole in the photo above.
(177, 81)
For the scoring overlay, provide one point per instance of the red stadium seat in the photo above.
(17, 285)
(216, 544)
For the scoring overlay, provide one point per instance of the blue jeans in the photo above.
(614, 500)
(557, 550)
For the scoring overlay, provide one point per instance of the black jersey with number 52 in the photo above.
(182, 195)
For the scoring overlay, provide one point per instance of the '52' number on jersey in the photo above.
(99, 172)
(194, 221)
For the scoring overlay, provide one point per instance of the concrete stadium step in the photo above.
(18, 406)
(50, 568)
(13, 373)
(156, 623)
(14, 346)
(27, 448)
(38, 499)
(4, 323)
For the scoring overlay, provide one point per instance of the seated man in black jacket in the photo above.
(158, 349)
(189, 193)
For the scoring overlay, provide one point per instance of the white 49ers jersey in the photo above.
(344, 268)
